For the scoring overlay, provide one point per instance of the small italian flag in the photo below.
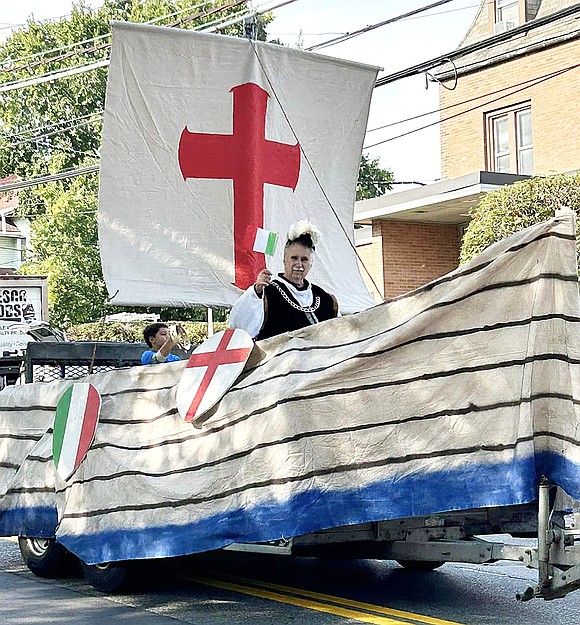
(77, 414)
(265, 241)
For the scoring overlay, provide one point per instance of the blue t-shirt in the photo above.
(147, 358)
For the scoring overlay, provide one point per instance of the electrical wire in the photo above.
(207, 27)
(15, 135)
(484, 44)
(50, 134)
(526, 85)
(366, 29)
(91, 40)
(54, 75)
(440, 121)
(61, 175)
(395, 123)
(381, 81)
(454, 105)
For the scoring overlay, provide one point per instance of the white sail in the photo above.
(207, 137)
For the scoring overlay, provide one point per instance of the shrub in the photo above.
(518, 206)
(132, 332)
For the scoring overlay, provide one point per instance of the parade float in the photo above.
(402, 430)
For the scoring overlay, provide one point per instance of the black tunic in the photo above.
(284, 314)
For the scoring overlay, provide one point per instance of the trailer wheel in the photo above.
(46, 558)
(420, 566)
(109, 577)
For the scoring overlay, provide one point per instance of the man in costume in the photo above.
(287, 302)
(160, 341)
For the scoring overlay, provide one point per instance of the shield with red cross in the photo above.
(210, 371)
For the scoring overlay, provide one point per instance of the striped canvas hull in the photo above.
(458, 395)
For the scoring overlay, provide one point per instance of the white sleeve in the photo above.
(248, 313)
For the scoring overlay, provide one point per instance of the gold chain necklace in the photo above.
(304, 309)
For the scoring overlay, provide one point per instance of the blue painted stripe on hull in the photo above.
(414, 495)
(39, 522)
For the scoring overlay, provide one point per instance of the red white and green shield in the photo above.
(77, 414)
(211, 370)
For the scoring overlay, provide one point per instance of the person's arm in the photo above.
(166, 348)
(150, 357)
(335, 305)
(248, 312)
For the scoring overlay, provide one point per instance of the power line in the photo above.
(379, 83)
(15, 135)
(526, 85)
(37, 138)
(79, 43)
(55, 75)
(439, 110)
(210, 27)
(538, 81)
(479, 45)
(366, 29)
(433, 62)
(61, 175)
(456, 104)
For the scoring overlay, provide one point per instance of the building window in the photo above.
(509, 140)
(525, 150)
(507, 11)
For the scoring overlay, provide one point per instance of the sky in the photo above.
(392, 47)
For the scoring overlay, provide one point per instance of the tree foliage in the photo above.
(518, 206)
(65, 247)
(373, 180)
(55, 126)
(37, 137)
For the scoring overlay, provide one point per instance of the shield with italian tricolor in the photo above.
(211, 370)
(77, 415)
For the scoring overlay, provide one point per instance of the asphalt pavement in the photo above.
(25, 601)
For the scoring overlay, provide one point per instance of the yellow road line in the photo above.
(12, 539)
(421, 618)
(342, 609)
(303, 603)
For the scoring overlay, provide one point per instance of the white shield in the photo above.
(211, 370)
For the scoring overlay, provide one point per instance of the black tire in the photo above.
(420, 566)
(110, 577)
(47, 558)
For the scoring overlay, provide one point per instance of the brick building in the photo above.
(513, 112)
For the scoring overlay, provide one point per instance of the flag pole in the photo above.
(209, 322)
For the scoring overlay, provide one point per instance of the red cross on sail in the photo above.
(250, 160)
(211, 370)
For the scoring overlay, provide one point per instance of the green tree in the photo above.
(48, 105)
(65, 248)
(518, 206)
(63, 229)
(373, 180)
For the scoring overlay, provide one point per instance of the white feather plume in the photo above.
(304, 226)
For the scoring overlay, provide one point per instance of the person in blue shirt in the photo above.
(160, 342)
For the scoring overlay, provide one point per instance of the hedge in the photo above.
(517, 206)
(132, 332)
